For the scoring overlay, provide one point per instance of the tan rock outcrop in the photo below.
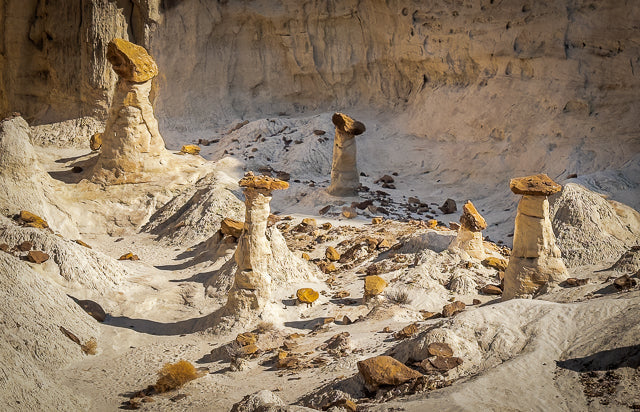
(131, 142)
(251, 288)
(344, 169)
(469, 237)
(535, 259)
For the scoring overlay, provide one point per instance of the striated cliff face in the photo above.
(458, 70)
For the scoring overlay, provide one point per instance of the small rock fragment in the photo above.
(496, 263)
(407, 332)
(81, 243)
(32, 220)
(129, 256)
(190, 149)
(440, 363)
(332, 254)
(247, 338)
(349, 212)
(624, 282)
(449, 206)
(231, 227)
(307, 295)
(95, 143)
(36, 256)
(440, 349)
(376, 220)
(491, 290)
(93, 309)
(25, 246)
(324, 210)
(452, 308)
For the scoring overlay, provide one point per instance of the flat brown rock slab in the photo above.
(471, 219)
(130, 61)
(491, 290)
(347, 124)
(440, 363)
(36, 256)
(453, 308)
(440, 349)
(93, 309)
(32, 220)
(263, 182)
(384, 370)
(536, 185)
(231, 227)
(25, 246)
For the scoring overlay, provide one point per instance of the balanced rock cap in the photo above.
(536, 185)
(262, 182)
(347, 124)
(471, 219)
(130, 61)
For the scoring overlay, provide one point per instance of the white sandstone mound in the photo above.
(196, 212)
(33, 349)
(591, 229)
(516, 345)
(71, 264)
(24, 184)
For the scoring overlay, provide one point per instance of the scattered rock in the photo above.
(440, 349)
(376, 220)
(306, 256)
(413, 200)
(373, 285)
(452, 308)
(407, 332)
(247, 338)
(259, 401)
(449, 206)
(70, 335)
(327, 267)
(307, 295)
(25, 246)
(326, 226)
(129, 256)
(231, 227)
(36, 256)
(576, 282)
(332, 254)
(491, 290)
(324, 210)
(190, 149)
(440, 363)
(309, 222)
(624, 282)
(385, 179)
(318, 132)
(349, 212)
(81, 243)
(32, 220)
(95, 143)
(178, 397)
(4, 247)
(338, 344)
(384, 370)
(284, 176)
(93, 309)
(496, 263)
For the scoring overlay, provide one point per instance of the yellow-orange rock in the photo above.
(190, 149)
(536, 185)
(263, 182)
(432, 224)
(332, 254)
(307, 295)
(247, 338)
(373, 285)
(496, 263)
(231, 227)
(95, 143)
(384, 370)
(376, 220)
(130, 61)
(129, 256)
(32, 220)
(471, 219)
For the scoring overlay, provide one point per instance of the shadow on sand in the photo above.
(606, 360)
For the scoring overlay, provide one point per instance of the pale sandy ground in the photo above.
(510, 349)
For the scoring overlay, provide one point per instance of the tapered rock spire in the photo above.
(251, 288)
(131, 143)
(535, 259)
(345, 179)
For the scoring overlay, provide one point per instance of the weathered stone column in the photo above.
(535, 259)
(469, 237)
(251, 287)
(344, 169)
(131, 142)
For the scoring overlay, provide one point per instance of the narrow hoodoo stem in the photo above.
(345, 179)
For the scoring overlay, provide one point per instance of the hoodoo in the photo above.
(344, 168)
(469, 237)
(251, 287)
(131, 142)
(535, 259)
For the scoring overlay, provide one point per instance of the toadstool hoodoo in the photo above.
(469, 238)
(345, 179)
(131, 143)
(535, 259)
